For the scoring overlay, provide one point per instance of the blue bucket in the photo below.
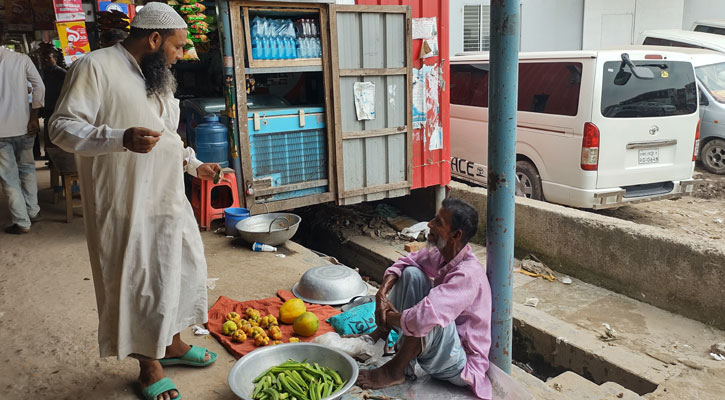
(231, 217)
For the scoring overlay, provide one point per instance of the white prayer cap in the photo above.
(155, 15)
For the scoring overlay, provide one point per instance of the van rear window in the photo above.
(710, 29)
(672, 91)
(544, 87)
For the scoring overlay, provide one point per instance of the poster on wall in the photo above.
(19, 15)
(73, 40)
(69, 10)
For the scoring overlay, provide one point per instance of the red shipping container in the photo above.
(430, 167)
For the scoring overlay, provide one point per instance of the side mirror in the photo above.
(703, 99)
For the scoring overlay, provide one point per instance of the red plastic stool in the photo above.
(209, 200)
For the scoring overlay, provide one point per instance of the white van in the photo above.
(595, 129)
(683, 38)
(710, 74)
(716, 26)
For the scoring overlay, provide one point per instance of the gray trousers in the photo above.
(443, 356)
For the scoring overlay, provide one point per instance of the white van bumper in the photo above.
(599, 199)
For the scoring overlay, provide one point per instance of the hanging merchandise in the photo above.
(112, 19)
(193, 13)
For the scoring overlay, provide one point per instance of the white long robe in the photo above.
(145, 249)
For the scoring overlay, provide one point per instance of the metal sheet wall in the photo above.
(373, 41)
(430, 167)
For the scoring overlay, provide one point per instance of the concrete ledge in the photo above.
(672, 272)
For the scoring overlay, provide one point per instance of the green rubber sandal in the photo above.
(194, 357)
(158, 388)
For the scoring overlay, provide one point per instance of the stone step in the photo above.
(573, 386)
(618, 391)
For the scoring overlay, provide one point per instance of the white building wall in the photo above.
(609, 23)
(702, 9)
(548, 25)
(456, 25)
(551, 25)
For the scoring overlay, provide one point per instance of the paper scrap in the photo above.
(280, 255)
(364, 93)
(424, 28)
(199, 331)
(532, 302)
(211, 283)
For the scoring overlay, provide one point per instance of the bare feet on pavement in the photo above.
(380, 377)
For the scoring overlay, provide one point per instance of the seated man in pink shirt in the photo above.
(439, 300)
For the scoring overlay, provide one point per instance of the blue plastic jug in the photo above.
(212, 144)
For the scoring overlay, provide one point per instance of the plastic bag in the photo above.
(360, 347)
(415, 230)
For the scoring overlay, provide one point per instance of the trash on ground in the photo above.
(532, 301)
(230, 237)
(609, 333)
(558, 387)
(414, 231)
(211, 283)
(717, 357)
(532, 266)
(280, 255)
(566, 280)
(718, 348)
(561, 339)
(256, 246)
(200, 331)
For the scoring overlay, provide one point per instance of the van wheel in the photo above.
(528, 181)
(713, 156)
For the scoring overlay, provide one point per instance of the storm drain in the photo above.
(545, 356)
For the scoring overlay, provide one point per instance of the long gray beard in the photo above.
(159, 78)
(439, 244)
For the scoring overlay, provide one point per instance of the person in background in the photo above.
(118, 114)
(17, 134)
(53, 77)
(439, 298)
(111, 37)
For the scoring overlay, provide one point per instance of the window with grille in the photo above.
(476, 28)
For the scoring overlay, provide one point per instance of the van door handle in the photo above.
(651, 143)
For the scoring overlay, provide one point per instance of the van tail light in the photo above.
(696, 149)
(590, 147)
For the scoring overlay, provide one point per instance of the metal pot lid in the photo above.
(330, 285)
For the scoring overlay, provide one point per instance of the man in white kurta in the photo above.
(145, 248)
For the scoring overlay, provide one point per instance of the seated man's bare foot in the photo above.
(380, 377)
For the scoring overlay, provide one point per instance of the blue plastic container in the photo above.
(232, 216)
(211, 141)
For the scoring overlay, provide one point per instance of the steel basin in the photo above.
(330, 284)
(272, 228)
(255, 363)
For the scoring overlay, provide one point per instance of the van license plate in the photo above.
(649, 156)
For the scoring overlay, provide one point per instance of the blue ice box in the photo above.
(288, 145)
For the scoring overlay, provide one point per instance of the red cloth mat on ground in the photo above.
(271, 305)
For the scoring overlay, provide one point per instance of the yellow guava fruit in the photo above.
(229, 327)
(306, 324)
(291, 309)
